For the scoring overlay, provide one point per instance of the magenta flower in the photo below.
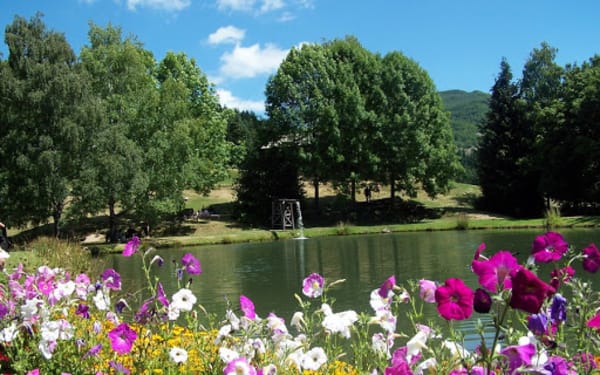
(558, 275)
(591, 262)
(494, 272)
(387, 286)
(400, 368)
(247, 307)
(594, 322)
(191, 264)
(122, 338)
(427, 290)
(528, 291)
(549, 247)
(111, 279)
(34, 372)
(131, 247)
(312, 286)
(518, 355)
(454, 299)
(239, 366)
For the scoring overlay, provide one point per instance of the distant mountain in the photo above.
(467, 111)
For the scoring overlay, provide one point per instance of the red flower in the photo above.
(549, 247)
(591, 262)
(454, 299)
(528, 291)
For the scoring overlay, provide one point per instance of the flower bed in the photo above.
(54, 322)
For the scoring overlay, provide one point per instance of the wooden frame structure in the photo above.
(283, 213)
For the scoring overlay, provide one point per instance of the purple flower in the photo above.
(111, 279)
(482, 302)
(160, 295)
(191, 264)
(94, 350)
(122, 338)
(549, 247)
(591, 262)
(387, 286)
(119, 368)
(518, 355)
(3, 310)
(312, 286)
(247, 307)
(557, 366)
(83, 311)
(131, 247)
(558, 309)
(537, 323)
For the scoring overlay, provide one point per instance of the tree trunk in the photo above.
(112, 228)
(353, 190)
(56, 215)
(316, 186)
(392, 192)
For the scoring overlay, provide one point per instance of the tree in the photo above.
(42, 132)
(571, 147)
(113, 171)
(415, 146)
(299, 102)
(505, 151)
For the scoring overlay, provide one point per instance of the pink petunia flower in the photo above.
(591, 262)
(131, 247)
(312, 286)
(191, 264)
(454, 299)
(247, 307)
(494, 272)
(528, 291)
(122, 338)
(427, 290)
(239, 366)
(594, 322)
(549, 247)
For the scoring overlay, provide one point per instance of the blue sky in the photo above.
(238, 44)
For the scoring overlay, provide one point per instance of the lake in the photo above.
(269, 273)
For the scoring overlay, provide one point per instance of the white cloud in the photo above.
(227, 34)
(270, 5)
(237, 5)
(227, 99)
(286, 17)
(169, 5)
(246, 62)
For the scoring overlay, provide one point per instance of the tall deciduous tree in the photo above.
(41, 135)
(114, 174)
(415, 147)
(299, 102)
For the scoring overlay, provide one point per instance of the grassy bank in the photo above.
(337, 216)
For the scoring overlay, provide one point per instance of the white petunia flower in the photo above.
(178, 355)
(338, 322)
(314, 359)
(101, 300)
(30, 308)
(227, 355)
(298, 321)
(172, 312)
(9, 333)
(184, 300)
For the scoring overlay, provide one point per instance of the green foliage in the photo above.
(467, 112)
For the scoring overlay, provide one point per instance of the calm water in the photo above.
(270, 273)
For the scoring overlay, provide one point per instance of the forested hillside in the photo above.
(467, 110)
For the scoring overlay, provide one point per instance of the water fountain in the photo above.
(300, 222)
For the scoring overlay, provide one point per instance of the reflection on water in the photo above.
(270, 273)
